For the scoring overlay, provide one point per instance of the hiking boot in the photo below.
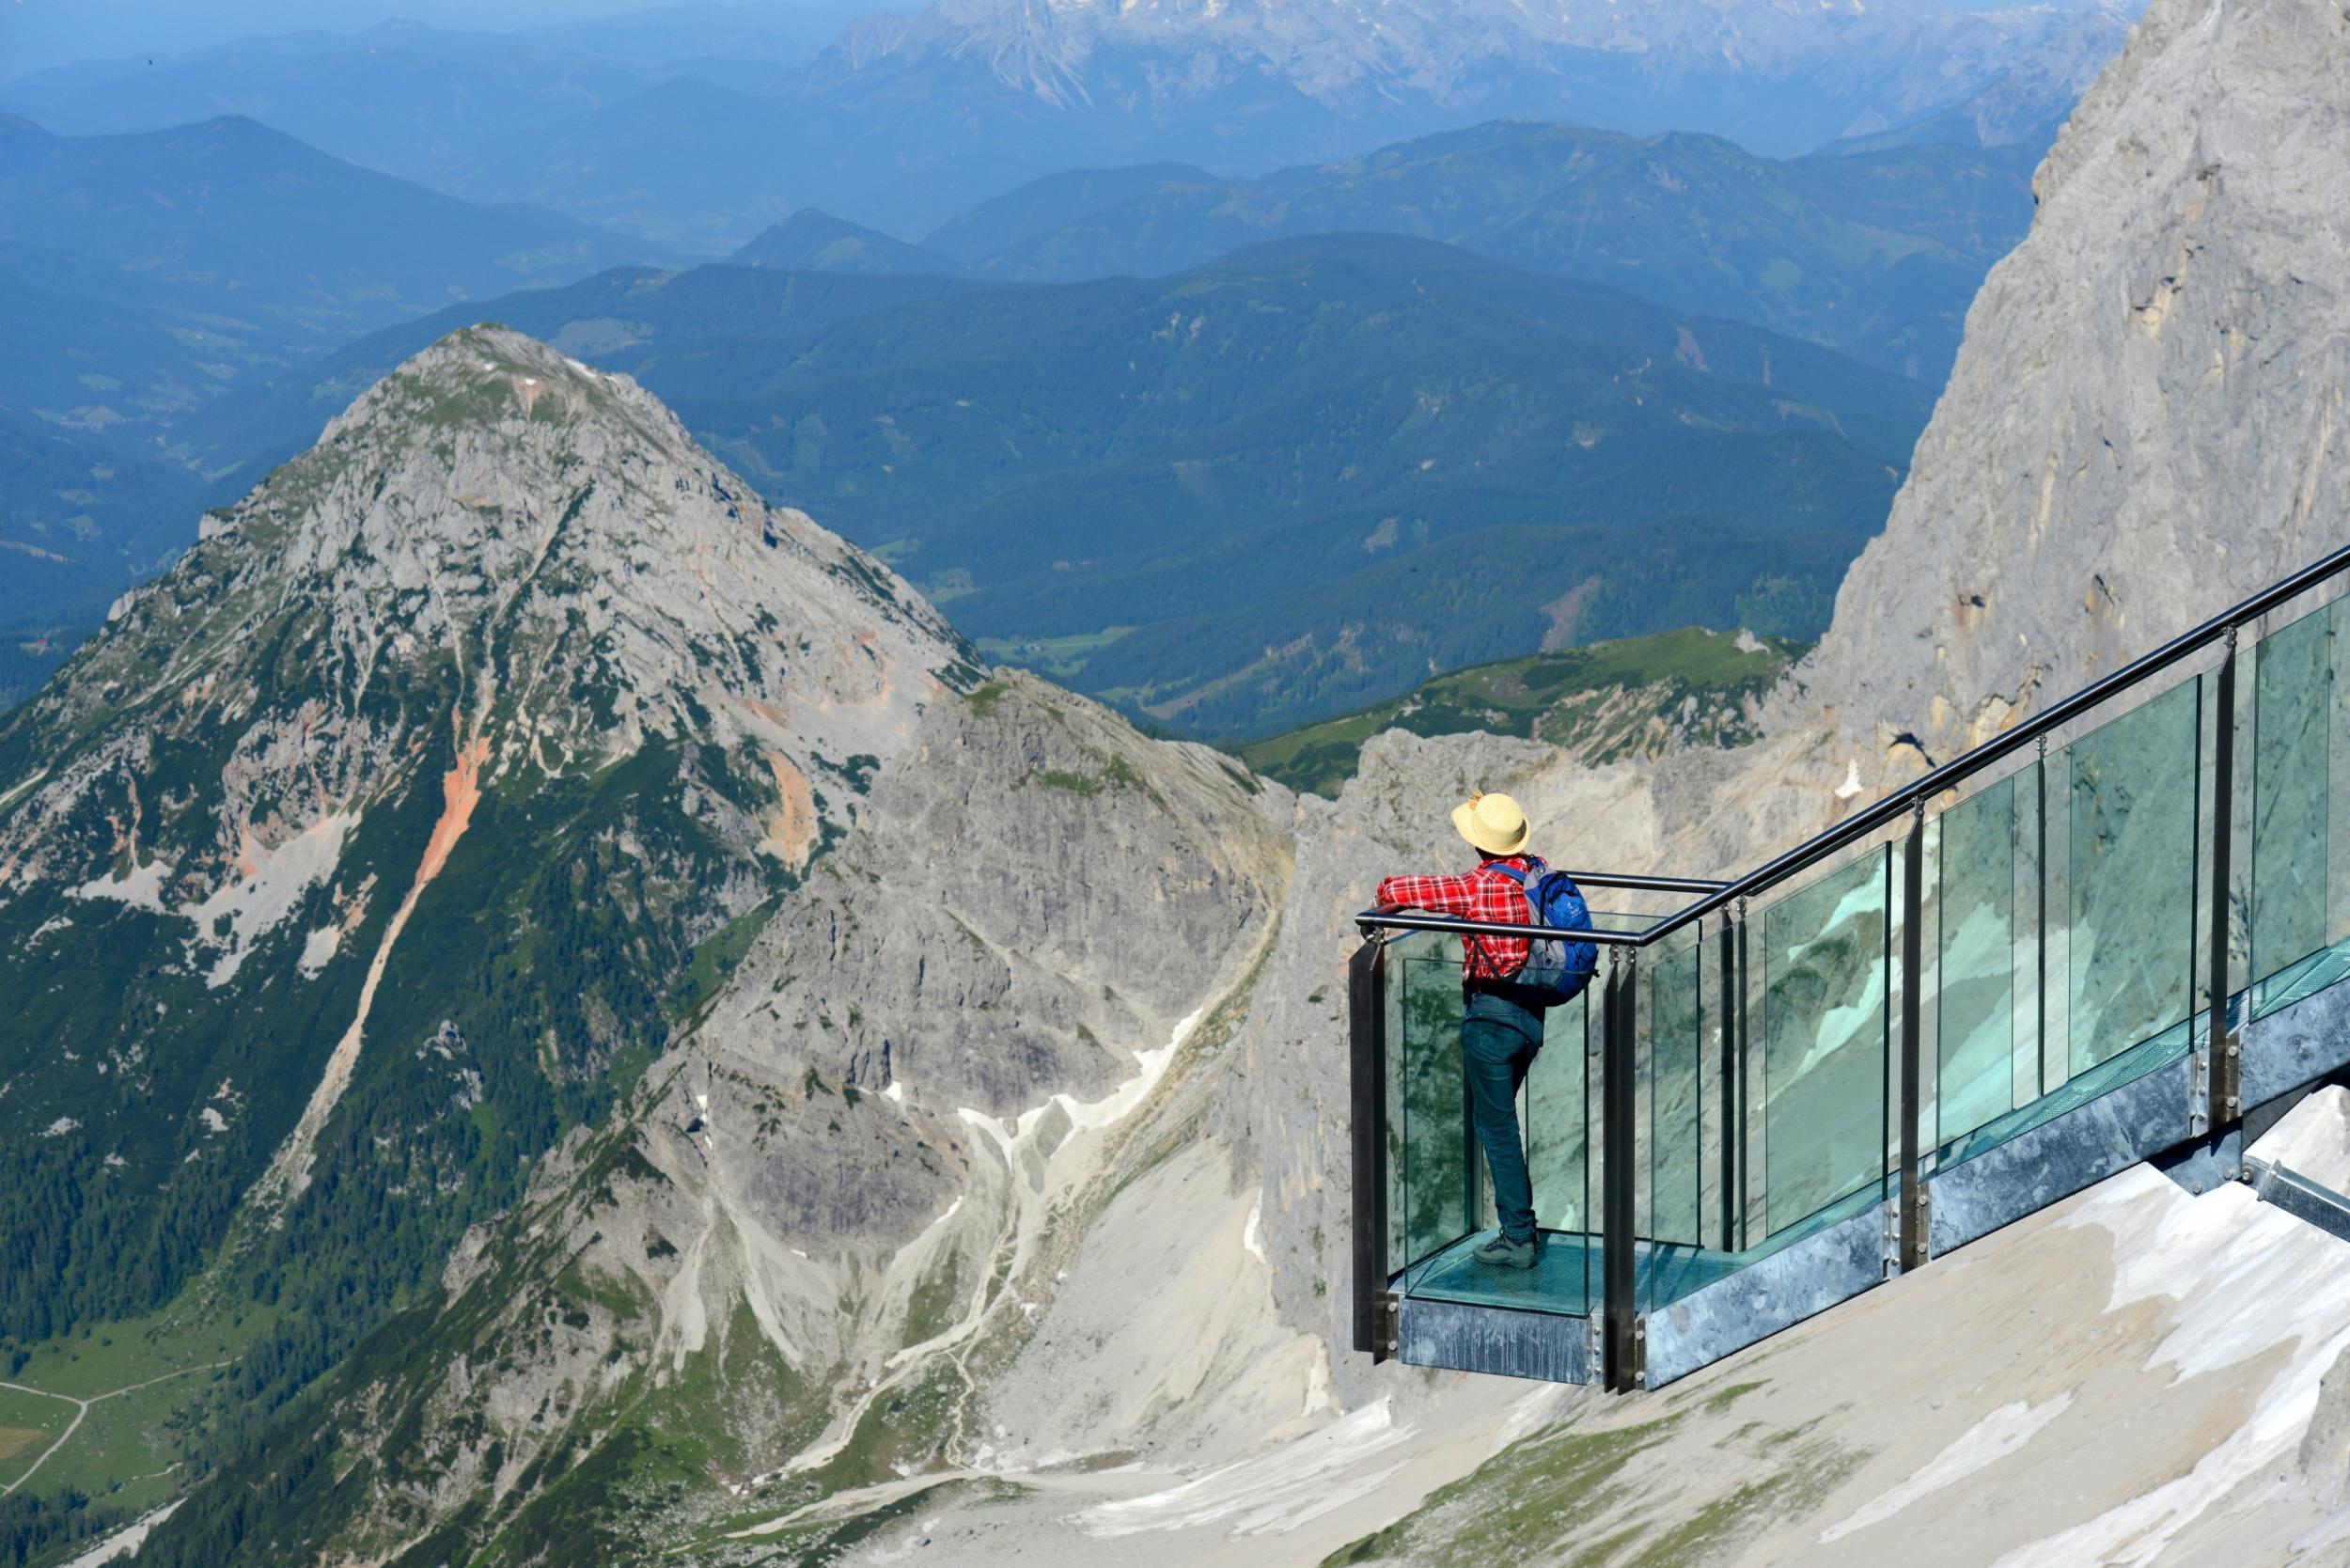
(1501, 1252)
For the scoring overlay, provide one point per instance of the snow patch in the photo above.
(318, 947)
(273, 882)
(61, 1126)
(212, 1119)
(2243, 1280)
(143, 888)
(1273, 1493)
(1990, 1439)
(1252, 1235)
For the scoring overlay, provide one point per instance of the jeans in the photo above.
(1498, 1042)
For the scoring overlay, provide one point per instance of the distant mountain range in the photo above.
(1878, 253)
(972, 404)
(701, 137)
(150, 276)
(1380, 453)
(170, 263)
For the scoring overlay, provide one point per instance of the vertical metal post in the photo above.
(1617, 1257)
(1746, 1150)
(2221, 1066)
(1366, 1064)
(1913, 1210)
(2040, 953)
(1728, 1010)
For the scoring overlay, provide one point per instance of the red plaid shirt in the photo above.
(1483, 894)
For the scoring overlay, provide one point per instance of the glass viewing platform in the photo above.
(1983, 993)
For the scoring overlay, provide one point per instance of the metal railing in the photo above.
(1615, 991)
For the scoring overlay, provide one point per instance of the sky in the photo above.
(36, 34)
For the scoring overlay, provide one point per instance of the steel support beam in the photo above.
(2224, 1092)
(1725, 1009)
(1618, 1274)
(1913, 1192)
(1367, 1083)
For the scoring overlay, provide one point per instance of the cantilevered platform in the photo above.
(1976, 997)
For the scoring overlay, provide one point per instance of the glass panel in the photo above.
(1975, 999)
(2291, 700)
(1396, 1040)
(1826, 975)
(2338, 801)
(2132, 815)
(1439, 1186)
(1670, 1220)
(1557, 1121)
(1671, 1014)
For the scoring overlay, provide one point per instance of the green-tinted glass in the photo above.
(2132, 876)
(1975, 997)
(1557, 1118)
(1824, 1018)
(2291, 692)
(1671, 1022)
(1439, 1180)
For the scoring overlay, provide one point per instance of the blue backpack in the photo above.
(1556, 969)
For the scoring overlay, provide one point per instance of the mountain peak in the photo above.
(500, 543)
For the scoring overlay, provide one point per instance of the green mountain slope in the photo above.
(1876, 254)
(1635, 696)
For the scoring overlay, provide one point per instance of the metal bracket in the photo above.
(2226, 1078)
(1595, 1339)
(1388, 1325)
(1889, 1237)
(1639, 1351)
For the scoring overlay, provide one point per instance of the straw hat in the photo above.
(1493, 822)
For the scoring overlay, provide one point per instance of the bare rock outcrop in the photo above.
(2147, 419)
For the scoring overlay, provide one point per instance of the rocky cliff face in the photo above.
(2147, 419)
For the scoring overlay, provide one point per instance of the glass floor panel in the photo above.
(1566, 1278)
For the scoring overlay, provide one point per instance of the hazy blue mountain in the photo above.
(700, 133)
(233, 214)
(151, 274)
(1051, 463)
(117, 363)
(1877, 254)
(813, 242)
(1046, 205)
(412, 101)
(81, 520)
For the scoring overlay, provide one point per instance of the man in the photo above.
(1502, 1023)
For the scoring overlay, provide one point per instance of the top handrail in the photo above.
(1967, 764)
(1717, 895)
